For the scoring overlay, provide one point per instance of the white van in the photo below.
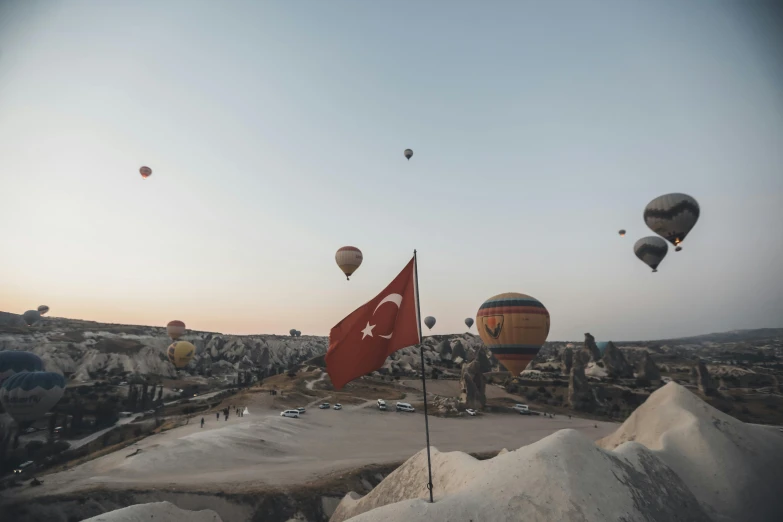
(290, 413)
(522, 408)
(404, 406)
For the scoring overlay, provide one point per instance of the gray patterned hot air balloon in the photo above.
(469, 322)
(292, 332)
(429, 321)
(672, 216)
(298, 333)
(27, 396)
(651, 250)
(31, 317)
(43, 309)
(408, 154)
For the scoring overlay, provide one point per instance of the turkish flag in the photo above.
(360, 343)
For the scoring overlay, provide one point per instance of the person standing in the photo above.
(202, 422)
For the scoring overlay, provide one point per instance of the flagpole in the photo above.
(423, 380)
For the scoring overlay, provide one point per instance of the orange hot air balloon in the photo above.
(349, 259)
(145, 172)
(175, 329)
(514, 327)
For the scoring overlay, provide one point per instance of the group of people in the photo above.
(240, 412)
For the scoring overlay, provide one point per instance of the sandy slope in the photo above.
(266, 449)
(734, 469)
(689, 462)
(156, 511)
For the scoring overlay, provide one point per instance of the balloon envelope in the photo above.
(651, 250)
(292, 332)
(31, 317)
(514, 327)
(180, 353)
(429, 321)
(175, 329)
(622, 232)
(469, 322)
(28, 396)
(408, 154)
(145, 172)
(43, 309)
(672, 216)
(349, 259)
(13, 362)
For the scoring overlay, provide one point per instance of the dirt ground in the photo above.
(264, 449)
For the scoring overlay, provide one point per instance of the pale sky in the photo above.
(276, 130)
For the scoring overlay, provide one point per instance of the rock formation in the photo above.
(591, 349)
(458, 350)
(473, 386)
(647, 370)
(580, 395)
(615, 363)
(444, 348)
(566, 360)
(705, 382)
(483, 359)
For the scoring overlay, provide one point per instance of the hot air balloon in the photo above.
(292, 332)
(349, 259)
(31, 317)
(145, 172)
(298, 333)
(651, 250)
(622, 232)
(13, 362)
(469, 322)
(180, 353)
(514, 327)
(43, 309)
(429, 321)
(27, 396)
(175, 329)
(408, 154)
(672, 216)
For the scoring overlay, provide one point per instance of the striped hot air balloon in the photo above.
(13, 362)
(27, 396)
(175, 329)
(651, 250)
(672, 216)
(43, 309)
(349, 259)
(145, 172)
(180, 353)
(514, 327)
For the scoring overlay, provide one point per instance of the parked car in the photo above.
(522, 409)
(404, 406)
(25, 466)
(31, 430)
(381, 402)
(471, 412)
(58, 430)
(338, 406)
(382, 407)
(324, 406)
(301, 410)
(290, 413)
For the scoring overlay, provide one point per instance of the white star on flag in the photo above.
(368, 330)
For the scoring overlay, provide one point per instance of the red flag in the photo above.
(360, 343)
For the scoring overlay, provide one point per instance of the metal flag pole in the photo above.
(423, 380)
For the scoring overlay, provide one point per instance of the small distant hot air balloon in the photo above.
(429, 321)
(408, 154)
(672, 216)
(43, 309)
(145, 172)
(469, 322)
(622, 232)
(180, 353)
(292, 332)
(298, 333)
(651, 250)
(175, 329)
(27, 396)
(31, 317)
(349, 259)
(514, 327)
(13, 362)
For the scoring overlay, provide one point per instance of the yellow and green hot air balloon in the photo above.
(180, 353)
(514, 327)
